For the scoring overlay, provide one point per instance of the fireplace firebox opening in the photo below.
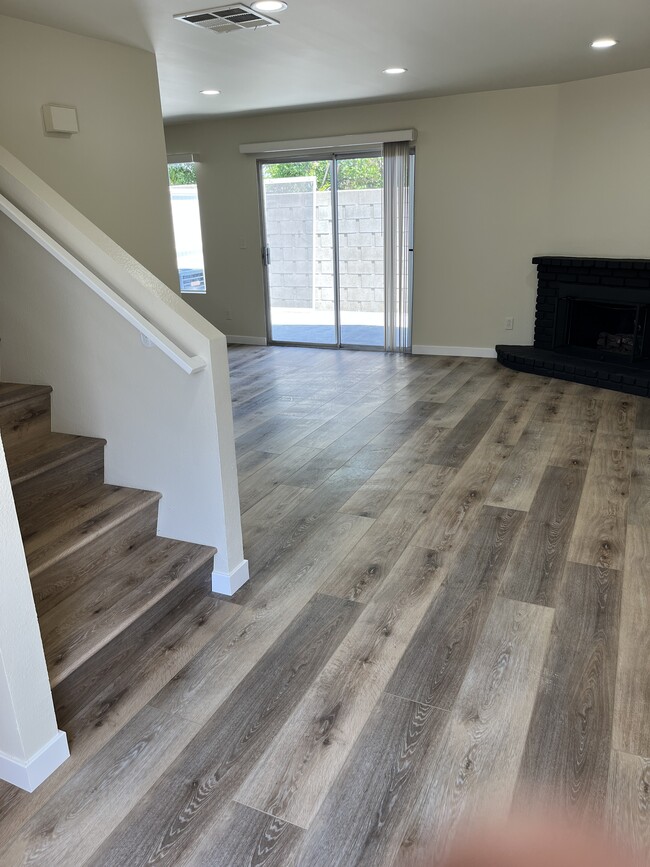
(604, 330)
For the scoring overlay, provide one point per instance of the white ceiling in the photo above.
(333, 51)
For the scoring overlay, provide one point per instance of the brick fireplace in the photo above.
(592, 323)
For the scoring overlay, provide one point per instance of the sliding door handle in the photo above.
(266, 255)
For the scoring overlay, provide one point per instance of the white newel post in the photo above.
(31, 746)
(230, 567)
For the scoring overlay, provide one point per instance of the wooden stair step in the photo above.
(114, 600)
(109, 577)
(14, 392)
(85, 518)
(38, 456)
(121, 680)
(130, 670)
(41, 500)
(24, 411)
(53, 584)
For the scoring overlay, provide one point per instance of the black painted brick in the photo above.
(637, 383)
(555, 271)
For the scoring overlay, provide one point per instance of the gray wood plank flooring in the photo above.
(569, 760)
(448, 608)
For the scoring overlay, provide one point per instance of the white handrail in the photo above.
(150, 334)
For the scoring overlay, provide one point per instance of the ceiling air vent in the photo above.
(224, 19)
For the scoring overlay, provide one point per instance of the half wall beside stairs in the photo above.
(167, 430)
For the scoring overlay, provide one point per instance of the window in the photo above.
(187, 227)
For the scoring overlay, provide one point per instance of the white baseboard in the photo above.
(468, 351)
(248, 341)
(29, 774)
(229, 583)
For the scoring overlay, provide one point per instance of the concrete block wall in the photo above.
(361, 251)
(290, 212)
(299, 227)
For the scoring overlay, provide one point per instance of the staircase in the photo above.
(100, 574)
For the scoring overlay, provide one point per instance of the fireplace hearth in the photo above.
(592, 323)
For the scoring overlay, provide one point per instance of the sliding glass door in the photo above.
(360, 245)
(298, 252)
(323, 250)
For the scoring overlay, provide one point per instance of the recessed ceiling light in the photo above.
(269, 6)
(210, 92)
(395, 70)
(607, 42)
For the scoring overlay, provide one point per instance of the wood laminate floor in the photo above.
(448, 614)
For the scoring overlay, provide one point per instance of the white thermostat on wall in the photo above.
(61, 119)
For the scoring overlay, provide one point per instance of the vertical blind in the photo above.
(397, 162)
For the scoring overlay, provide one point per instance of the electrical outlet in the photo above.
(510, 323)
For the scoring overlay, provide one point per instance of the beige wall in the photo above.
(601, 190)
(501, 177)
(114, 170)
